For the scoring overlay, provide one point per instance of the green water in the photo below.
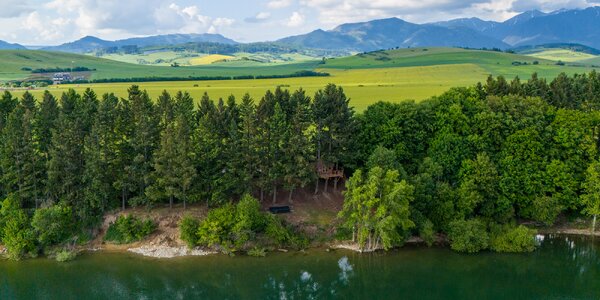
(565, 267)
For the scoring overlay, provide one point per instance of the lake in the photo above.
(564, 267)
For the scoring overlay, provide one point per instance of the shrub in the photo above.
(215, 230)
(248, 220)
(129, 229)
(468, 236)
(257, 252)
(19, 238)
(276, 231)
(17, 235)
(514, 239)
(53, 225)
(232, 226)
(65, 255)
(188, 229)
(427, 233)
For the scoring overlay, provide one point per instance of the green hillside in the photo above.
(496, 63)
(12, 63)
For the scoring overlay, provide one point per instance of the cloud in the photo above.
(549, 5)
(296, 19)
(260, 17)
(343, 11)
(14, 8)
(277, 4)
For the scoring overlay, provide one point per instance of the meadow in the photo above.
(394, 76)
(12, 63)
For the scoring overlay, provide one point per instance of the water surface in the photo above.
(565, 267)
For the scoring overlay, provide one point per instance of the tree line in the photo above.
(88, 154)
(469, 163)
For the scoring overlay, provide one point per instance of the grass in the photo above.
(564, 55)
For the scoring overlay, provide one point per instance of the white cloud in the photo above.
(296, 19)
(277, 4)
(259, 18)
(15, 8)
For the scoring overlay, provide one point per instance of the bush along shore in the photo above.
(471, 165)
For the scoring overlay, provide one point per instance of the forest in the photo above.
(472, 164)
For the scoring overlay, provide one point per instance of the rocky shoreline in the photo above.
(168, 252)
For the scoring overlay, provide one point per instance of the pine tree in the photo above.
(66, 164)
(247, 158)
(334, 120)
(173, 164)
(298, 150)
(21, 162)
(101, 168)
(123, 181)
(144, 140)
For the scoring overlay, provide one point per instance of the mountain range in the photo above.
(90, 43)
(577, 26)
(580, 26)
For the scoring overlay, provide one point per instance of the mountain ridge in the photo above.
(92, 43)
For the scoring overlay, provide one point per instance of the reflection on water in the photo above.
(565, 267)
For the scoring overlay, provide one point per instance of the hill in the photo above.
(5, 45)
(16, 65)
(91, 44)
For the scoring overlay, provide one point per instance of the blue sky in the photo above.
(49, 22)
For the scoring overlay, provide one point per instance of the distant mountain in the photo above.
(86, 44)
(90, 43)
(471, 23)
(576, 26)
(579, 26)
(7, 46)
(391, 33)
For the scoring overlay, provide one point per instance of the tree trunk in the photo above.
(317, 187)
(335, 181)
(170, 202)
(184, 204)
(290, 196)
(594, 224)
(326, 184)
(123, 199)
(274, 193)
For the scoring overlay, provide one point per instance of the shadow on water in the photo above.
(565, 267)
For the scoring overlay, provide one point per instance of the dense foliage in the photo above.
(232, 227)
(460, 163)
(128, 229)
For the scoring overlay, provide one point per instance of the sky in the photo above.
(52, 22)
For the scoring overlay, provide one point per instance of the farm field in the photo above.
(394, 76)
(564, 55)
(12, 63)
(364, 87)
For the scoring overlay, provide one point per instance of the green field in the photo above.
(12, 62)
(392, 76)
(565, 55)
(166, 58)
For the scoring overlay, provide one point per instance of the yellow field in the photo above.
(562, 55)
(363, 86)
(209, 59)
